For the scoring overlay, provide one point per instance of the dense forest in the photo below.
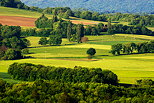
(13, 4)
(31, 72)
(130, 48)
(11, 42)
(124, 6)
(42, 91)
(66, 12)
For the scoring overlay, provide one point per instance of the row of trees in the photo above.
(89, 15)
(57, 92)
(129, 48)
(119, 28)
(41, 32)
(53, 40)
(11, 44)
(31, 72)
(61, 28)
(13, 4)
(65, 12)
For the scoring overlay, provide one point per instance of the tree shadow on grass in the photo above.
(103, 55)
(5, 75)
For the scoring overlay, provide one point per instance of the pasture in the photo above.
(14, 16)
(129, 68)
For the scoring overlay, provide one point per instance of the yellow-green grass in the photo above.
(151, 28)
(96, 22)
(5, 11)
(112, 39)
(129, 68)
(143, 37)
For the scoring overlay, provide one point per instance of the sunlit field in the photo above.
(129, 68)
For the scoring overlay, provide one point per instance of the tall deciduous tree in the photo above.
(69, 30)
(79, 32)
(43, 41)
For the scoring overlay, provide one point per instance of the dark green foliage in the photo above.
(63, 12)
(86, 15)
(116, 49)
(69, 31)
(11, 43)
(10, 31)
(55, 38)
(58, 29)
(147, 20)
(12, 54)
(91, 51)
(29, 32)
(129, 48)
(79, 32)
(42, 91)
(13, 4)
(126, 6)
(43, 41)
(119, 28)
(143, 82)
(89, 15)
(25, 51)
(31, 72)
(44, 22)
(95, 29)
(41, 32)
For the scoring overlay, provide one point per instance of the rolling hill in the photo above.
(129, 6)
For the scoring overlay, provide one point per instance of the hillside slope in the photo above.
(132, 6)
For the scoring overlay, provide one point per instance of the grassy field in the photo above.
(5, 11)
(19, 12)
(151, 28)
(141, 37)
(129, 68)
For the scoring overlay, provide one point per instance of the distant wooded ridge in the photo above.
(123, 6)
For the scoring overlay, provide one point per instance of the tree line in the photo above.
(66, 12)
(12, 45)
(31, 72)
(42, 91)
(129, 48)
(60, 28)
(119, 28)
(14, 4)
(133, 19)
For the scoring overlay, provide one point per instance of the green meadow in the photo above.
(6, 11)
(129, 68)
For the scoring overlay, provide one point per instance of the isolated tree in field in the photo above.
(43, 41)
(91, 52)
